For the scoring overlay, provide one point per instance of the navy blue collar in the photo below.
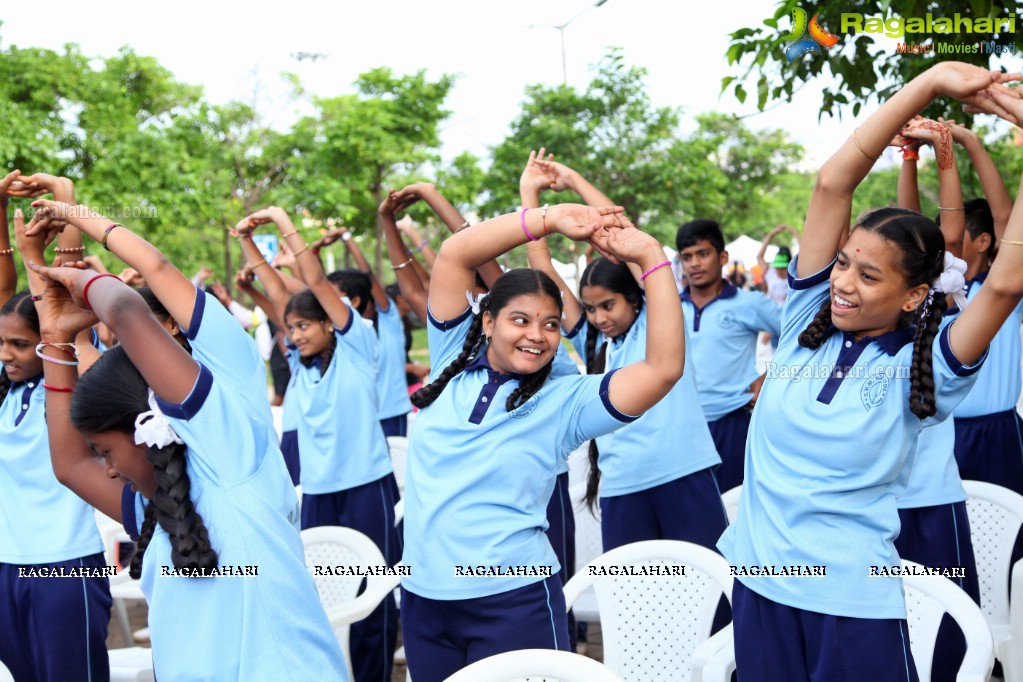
(35, 381)
(729, 291)
(482, 362)
(979, 279)
(891, 343)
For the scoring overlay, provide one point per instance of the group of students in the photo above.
(170, 431)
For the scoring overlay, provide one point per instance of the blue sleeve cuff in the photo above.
(958, 368)
(348, 325)
(448, 324)
(576, 328)
(195, 400)
(812, 280)
(128, 520)
(197, 311)
(605, 388)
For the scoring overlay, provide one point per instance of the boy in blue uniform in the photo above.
(722, 325)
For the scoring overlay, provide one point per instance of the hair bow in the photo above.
(952, 280)
(475, 301)
(153, 428)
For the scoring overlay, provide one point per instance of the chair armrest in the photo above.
(378, 588)
(714, 659)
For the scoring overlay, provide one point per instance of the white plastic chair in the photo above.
(5, 674)
(928, 598)
(653, 624)
(538, 665)
(398, 445)
(133, 664)
(730, 499)
(996, 515)
(338, 546)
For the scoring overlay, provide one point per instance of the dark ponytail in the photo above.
(109, 397)
(618, 279)
(22, 306)
(522, 281)
(304, 304)
(922, 246)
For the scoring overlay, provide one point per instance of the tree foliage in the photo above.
(860, 67)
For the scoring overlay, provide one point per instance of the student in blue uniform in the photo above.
(371, 301)
(934, 526)
(345, 472)
(722, 325)
(492, 427)
(154, 438)
(656, 475)
(862, 365)
(51, 628)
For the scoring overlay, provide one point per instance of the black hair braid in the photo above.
(813, 336)
(5, 385)
(921, 376)
(427, 394)
(528, 387)
(328, 352)
(145, 535)
(596, 361)
(175, 511)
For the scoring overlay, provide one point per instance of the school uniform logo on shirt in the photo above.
(874, 391)
(727, 319)
(526, 408)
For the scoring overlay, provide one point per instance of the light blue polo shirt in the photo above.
(669, 441)
(479, 478)
(41, 521)
(393, 388)
(563, 366)
(213, 329)
(829, 451)
(723, 338)
(934, 478)
(340, 442)
(999, 380)
(264, 626)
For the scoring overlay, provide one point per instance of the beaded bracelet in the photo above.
(106, 234)
(6, 252)
(543, 214)
(71, 249)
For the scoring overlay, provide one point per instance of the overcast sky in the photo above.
(234, 50)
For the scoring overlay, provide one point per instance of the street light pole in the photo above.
(561, 30)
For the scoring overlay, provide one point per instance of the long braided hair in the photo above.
(304, 304)
(617, 278)
(108, 397)
(22, 306)
(522, 281)
(920, 242)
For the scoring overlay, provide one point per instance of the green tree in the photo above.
(859, 67)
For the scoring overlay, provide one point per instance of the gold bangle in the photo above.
(261, 261)
(403, 265)
(943, 208)
(1014, 242)
(290, 234)
(302, 250)
(537, 248)
(864, 151)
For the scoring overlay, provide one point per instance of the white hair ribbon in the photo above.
(952, 280)
(474, 301)
(153, 428)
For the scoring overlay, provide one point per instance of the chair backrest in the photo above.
(652, 623)
(398, 445)
(5, 674)
(730, 498)
(588, 546)
(996, 514)
(535, 665)
(928, 597)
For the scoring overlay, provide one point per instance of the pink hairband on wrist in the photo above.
(643, 277)
(522, 219)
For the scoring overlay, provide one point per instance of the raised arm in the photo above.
(637, 387)
(991, 183)
(908, 188)
(533, 179)
(564, 178)
(244, 282)
(950, 193)
(827, 218)
(463, 252)
(174, 289)
(8, 273)
(310, 269)
(768, 238)
(419, 244)
(409, 282)
(377, 291)
(276, 292)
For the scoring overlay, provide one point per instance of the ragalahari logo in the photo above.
(798, 44)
